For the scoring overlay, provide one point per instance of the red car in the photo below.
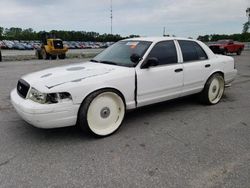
(227, 46)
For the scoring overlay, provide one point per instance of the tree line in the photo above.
(15, 33)
(241, 37)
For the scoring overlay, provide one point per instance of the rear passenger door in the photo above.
(196, 66)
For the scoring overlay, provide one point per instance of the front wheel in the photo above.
(239, 51)
(45, 55)
(62, 56)
(213, 90)
(102, 113)
(225, 52)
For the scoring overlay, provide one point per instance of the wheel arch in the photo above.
(104, 89)
(215, 72)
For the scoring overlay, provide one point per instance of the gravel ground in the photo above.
(179, 143)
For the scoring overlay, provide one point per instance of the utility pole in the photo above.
(248, 14)
(164, 32)
(111, 16)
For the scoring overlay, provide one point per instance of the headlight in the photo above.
(37, 96)
(49, 98)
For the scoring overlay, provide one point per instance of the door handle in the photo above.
(178, 70)
(207, 65)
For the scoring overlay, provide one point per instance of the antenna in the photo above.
(111, 16)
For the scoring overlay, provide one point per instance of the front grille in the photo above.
(58, 44)
(22, 88)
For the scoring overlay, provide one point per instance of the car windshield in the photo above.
(120, 53)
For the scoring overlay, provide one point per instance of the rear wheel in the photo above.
(225, 52)
(102, 113)
(0, 56)
(213, 90)
(61, 56)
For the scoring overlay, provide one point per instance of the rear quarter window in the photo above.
(192, 51)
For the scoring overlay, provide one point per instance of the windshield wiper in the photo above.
(108, 62)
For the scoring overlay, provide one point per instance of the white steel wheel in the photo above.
(213, 90)
(103, 113)
(216, 90)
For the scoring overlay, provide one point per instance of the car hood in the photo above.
(53, 77)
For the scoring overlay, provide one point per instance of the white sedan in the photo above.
(131, 73)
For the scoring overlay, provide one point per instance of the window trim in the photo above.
(181, 53)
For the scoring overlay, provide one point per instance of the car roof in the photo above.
(156, 39)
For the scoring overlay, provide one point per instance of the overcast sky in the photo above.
(144, 17)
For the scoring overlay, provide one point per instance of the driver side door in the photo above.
(163, 81)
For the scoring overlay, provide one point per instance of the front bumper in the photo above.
(45, 115)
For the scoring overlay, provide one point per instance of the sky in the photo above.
(183, 18)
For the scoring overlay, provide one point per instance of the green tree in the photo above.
(246, 27)
(1, 33)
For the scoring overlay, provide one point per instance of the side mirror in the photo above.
(151, 62)
(135, 58)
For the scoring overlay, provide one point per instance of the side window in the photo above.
(191, 51)
(201, 53)
(165, 52)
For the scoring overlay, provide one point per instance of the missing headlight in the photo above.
(52, 98)
(58, 97)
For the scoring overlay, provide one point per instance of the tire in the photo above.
(62, 56)
(53, 57)
(239, 51)
(102, 113)
(38, 54)
(44, 54)
(225, 52)
(0, 56)
(213, 90)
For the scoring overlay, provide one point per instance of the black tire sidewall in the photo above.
(82, 121)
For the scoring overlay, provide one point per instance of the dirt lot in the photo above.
(180, 143)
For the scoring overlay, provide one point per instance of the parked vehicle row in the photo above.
(33, 45)
(19, 45)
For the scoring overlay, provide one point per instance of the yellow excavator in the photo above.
(51, 48)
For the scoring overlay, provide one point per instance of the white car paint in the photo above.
(139, 87)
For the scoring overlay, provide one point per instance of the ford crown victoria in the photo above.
(132, 73)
